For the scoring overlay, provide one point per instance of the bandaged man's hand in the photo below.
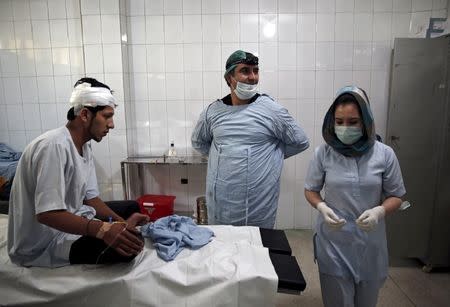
(329, 216)
(370, 218)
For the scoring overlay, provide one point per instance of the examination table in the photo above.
(234, 269)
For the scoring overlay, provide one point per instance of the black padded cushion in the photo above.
(275, 240)
(290, 276)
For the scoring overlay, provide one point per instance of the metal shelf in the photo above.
(138, 162)
(166, 160)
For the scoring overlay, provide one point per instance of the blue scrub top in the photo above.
(350, 186)
(246, 145)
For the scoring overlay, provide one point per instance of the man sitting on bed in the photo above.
(54, 196)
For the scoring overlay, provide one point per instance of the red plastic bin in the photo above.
(156, 206)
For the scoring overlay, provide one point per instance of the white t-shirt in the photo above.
(51, 175)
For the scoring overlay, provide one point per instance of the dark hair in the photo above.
(345, 99)
(94, 83)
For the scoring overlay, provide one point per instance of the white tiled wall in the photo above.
(308, 49)
(102, 42)
(40, 57)
(44, 45)
(165, 58)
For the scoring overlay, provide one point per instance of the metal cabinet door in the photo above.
(415, 122)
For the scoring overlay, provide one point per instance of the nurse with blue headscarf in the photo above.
(246, 136)
(361, 182)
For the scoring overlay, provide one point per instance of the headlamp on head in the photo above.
(240, 57)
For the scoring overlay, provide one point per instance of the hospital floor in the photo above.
(406, 286)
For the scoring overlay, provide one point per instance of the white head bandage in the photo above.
(84, 95)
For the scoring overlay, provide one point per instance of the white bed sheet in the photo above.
(232, 270)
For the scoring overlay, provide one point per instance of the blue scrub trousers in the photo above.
(344, 292)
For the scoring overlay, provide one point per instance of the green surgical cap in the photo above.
(239, 57)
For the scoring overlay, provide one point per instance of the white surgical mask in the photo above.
(348, 134)
(245, 91)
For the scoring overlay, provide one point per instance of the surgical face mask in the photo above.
(245, 91)
(348, 134)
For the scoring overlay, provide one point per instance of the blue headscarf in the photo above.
(366, 141)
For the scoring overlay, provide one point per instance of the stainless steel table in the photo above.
(139, 162)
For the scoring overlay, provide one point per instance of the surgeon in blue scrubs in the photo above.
(246, 136)
(361, 182)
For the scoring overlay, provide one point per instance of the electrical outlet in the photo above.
(184, 181)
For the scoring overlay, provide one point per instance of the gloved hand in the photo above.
(329, 216)
(369, 218)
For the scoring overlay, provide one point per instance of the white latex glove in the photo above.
(369, 218)
(329, 216)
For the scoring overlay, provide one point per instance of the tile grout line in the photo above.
(404, 293)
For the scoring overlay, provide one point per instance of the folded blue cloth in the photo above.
(8, 154)
(172, 233)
